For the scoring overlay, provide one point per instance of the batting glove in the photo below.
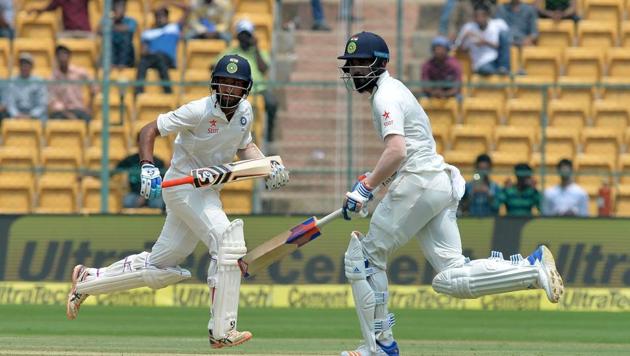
(278, 177)
(356, 199)
(151, 182)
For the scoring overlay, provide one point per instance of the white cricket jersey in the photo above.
(395, 110)
(204, 135)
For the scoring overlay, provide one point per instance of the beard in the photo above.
(363, 84)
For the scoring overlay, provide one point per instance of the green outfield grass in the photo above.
(36, 330)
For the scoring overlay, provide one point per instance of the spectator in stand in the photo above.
(519, 200)
(480, 194)
(319, 20)
(456, 13)
(4, 92)
(488, 43)
(258, 59)
(66, 99)
(123, 29)
(566, 198)
(132, 167)
(75, 17)
(211, 19)
(159, 46)
(7, 14)
(442, 67)
(522, 20)
(27, 96)
(558, 9)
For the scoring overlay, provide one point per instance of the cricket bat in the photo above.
(226, 173)
(285, 243)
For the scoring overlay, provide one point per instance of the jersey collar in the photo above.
(381, 78)
(216, 109)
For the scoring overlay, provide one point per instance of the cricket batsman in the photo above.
(421, 202)
(210, 131)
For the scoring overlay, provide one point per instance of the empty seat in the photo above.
(237, 197)
(613, 114)
(201, 78)
(118, 136)
(44, 25)
(24, 133)
(531, 88)
(560, 143)
(62, 162)
(56, 195)
(542, 62)
(618, 62)
(472, 139)
(546, 171)
(440, 135)
(494, 88)
(118, 114)
(120, 79)
(567, 114)
(597, 34)
(622, 201)
(625, 34)
(441, 112)
(5, 55)
(93, 157)
(578, 90)
(83, 51)
(556, 34)
(254, 6)
(464, 60)
(602, 141)
(610, 11)
(201, 54)
(155, 82)
(149, 106)
(18, 162)
(16, 195)
(585, 63)
(524, 113)
(66, 134)
(481, 112)
(41, 48)
(515, 142)
(91, 197)
(624, 169)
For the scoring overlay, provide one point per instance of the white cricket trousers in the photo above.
(192, 215)
(419, 205)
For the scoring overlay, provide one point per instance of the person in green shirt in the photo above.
(131, 165)
(248, 48)
(520, 199)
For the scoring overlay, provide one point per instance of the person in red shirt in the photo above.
(441, 68)
(74, 14)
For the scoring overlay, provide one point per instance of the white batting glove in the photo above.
(151, 182)
(278, 177)
(357, 198)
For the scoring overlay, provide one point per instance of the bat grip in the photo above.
(328, 218)
(177, 181)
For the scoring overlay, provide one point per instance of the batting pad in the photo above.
(362, 292)
(227, 283)
(485, 276)
(134, 271)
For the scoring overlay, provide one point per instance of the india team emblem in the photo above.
(232, 68)
(243, 121)
(352, 47)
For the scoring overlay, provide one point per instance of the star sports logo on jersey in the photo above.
(386, 117)
(213, 127)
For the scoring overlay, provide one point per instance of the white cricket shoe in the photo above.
(75, 299)
(233, 338)
(549, 278)
(362, 350)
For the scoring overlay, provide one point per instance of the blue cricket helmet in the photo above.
(365, 45)
(231, 66)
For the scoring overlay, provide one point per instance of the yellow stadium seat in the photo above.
(258, 105)
(163, 145)
(440, 135)
(610, 11)
(515, 142)
(95, 10)
(494, 88)
(118, 136)
(200, 54)
(524, 113)
(531, 88)
(120, 79)
(5, 54)
(66, 134)
(602, 141)
(463, 160)
(625, 34)
(597, 34)
(254, 6)
(618, 62)
(30, 4)
(464, 60)
(615, 89)
(116, 116)
(149, 106)
(560, 143)
(612, 114)
(542, 61)
(34, 26)
(16, 195)
(481, 112)
(24, 133)
(441, 112)
(197, 75)
(622, 201)
(556, 34)
(592, 172)
(136, 6)
(237, 197)
(91, 197)
(571, 115)
(56, 195)
(624, 169)
(473, 139)
(503, 166)
(578, 90)
(18, 162)
(93, 156)
(548, 170)
(42, 50)
(584, 63)
(154, 77)
(83, 51)
(62, 162)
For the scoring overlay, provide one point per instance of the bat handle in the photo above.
(177, 181)
(328, 218)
